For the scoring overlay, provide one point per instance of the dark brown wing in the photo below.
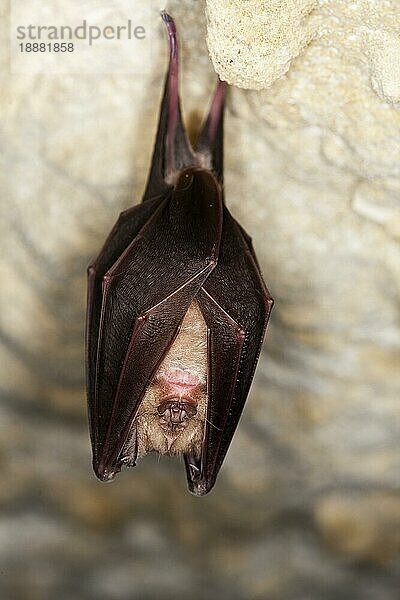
(236, 306)
(129, 224)
(144, 296)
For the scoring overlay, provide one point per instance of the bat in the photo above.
(177, 308)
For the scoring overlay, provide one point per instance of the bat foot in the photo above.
(198, 484)
(194, 471)
(104, 473)
(200, 488)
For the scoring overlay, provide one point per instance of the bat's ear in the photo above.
(172, 151)
(210, 142)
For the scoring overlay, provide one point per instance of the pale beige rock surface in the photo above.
(306, 505)
(253, 42)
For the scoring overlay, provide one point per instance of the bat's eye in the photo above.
(185, 180)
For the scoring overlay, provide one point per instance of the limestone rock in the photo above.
(252, 43)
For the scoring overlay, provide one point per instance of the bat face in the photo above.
(170, 418)
(177, 309)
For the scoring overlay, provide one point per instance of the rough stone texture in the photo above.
(307, 503)
(253, 42)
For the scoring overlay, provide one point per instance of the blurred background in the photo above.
(307, 504)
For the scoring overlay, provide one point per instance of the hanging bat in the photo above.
(177, 308)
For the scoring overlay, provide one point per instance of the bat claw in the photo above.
(104, 472)
(194, 471)
(200, 488)
(105, 475)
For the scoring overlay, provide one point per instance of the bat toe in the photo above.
(199, 488)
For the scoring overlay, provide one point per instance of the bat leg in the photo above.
(211, 136)
(172, 150)
(193, 467)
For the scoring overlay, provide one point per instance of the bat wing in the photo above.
(129, 224)
(138, 302)
(236, 306)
